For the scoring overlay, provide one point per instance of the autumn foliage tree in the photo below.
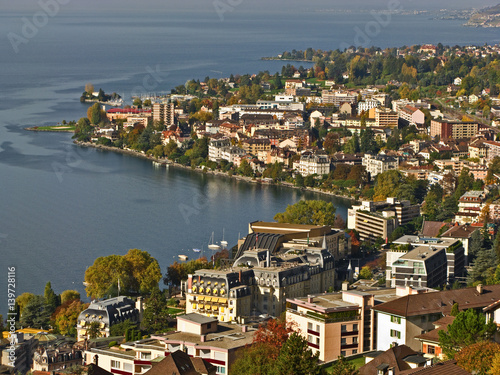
(311, 212)
(478, 358)
(65, 317)
(135, 272)
(177, 272)
(274, 334)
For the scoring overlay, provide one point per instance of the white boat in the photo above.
(223, 243)
(183, 257)
(197, 250)
(212, 245)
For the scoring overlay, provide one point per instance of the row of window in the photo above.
(343, 328)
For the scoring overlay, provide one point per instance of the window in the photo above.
(431, 349)
(209, 325)
(395, 319)
(317, 327)
(343, 328)
(343, 341)
(309, 338)
(355, 351)
(354, 327)
(221, 370)
(343, 353)
(115, 364)
(354, 340)
(146, 355)
(395, 333)
(317, 340)
(309, 326)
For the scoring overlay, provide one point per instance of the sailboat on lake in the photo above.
(212, 245)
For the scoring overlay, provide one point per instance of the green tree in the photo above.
(51, 299)
(94, 331)
(156, 317)
(121, 328)
(36, 313)
(297, 358)
(23, 300)
(145, 271)
(469, 327)
(312, 212)
(254, 361)
(366, 273)
(83, 130)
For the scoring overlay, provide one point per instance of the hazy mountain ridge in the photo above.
(488, 17)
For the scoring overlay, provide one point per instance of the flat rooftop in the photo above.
(335, 300)
(228, 336)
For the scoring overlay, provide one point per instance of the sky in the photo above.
(251, 5)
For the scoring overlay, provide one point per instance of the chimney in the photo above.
(203, 338)
(244, 329)
(345, 286)
(479, 288)
(310, 298)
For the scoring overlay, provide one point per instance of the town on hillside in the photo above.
(407, 283)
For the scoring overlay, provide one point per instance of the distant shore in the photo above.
(169, 163)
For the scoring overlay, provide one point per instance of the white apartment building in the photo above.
(314, 164)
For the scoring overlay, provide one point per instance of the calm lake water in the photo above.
(62, 206)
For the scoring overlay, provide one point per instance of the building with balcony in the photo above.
(403, 319)
(379, 219)
(380, 163)
(164, 112)
(215, 148)
(453, 129)
(312, 163)
(336, 324)
(386, 118)
(259, 283)
(107, 313)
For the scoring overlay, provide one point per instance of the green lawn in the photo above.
(174, 311)
(357, 362)
(58, 128)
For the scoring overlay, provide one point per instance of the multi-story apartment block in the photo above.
(338, 97)
(366, 105)
(164, 112)
(493, 150)
(258, 283)
(469, 207)
(107, 313)
(412, 116)
(215, 148)
(402, 320)
(386, 118)
(418, 249)
(232, 153)
(453, 129)
(478, 149)
(312, 163)
(254, 145)
(380, 163)
(336, 324)
(378, 219)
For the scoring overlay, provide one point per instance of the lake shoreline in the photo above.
(167, 163)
